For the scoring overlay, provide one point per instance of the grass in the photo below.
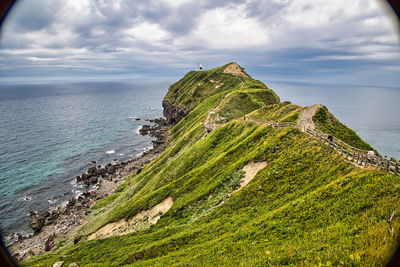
(327, 123)
(282, 112)
(308, 206)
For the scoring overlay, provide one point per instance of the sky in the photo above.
(317, 41)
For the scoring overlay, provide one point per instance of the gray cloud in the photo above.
(286, 38)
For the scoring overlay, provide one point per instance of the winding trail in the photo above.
(209, 124)
(305, 120)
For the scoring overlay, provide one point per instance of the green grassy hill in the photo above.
(308, 206)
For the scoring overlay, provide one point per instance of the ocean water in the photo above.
(373, 112)
(49, 133)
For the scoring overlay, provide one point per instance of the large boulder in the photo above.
(145, 129)
(36, 221)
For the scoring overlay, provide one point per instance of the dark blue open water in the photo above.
(49, 133)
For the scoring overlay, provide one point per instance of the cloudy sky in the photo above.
(344, 42)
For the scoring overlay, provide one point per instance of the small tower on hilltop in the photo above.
(198, 64)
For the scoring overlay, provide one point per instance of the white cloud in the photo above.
(226, 28)
(149, 33)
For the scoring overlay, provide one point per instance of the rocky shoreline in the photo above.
(53, 226)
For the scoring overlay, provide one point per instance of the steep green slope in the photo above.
(307, 206)
(327, 123)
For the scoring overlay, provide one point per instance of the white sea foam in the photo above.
(25, 198)
(52, 201)
(138, 128)
(109, 152)
(120, 154)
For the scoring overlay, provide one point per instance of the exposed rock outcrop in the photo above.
(236, 70)
(173, 113)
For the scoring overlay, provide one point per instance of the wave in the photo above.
(52, 201)
(25, 198)
(109, 152)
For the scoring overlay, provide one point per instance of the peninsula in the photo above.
(244, 179)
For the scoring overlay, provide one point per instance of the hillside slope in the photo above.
(244, 193)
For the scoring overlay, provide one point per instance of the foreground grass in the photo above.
(307, 206)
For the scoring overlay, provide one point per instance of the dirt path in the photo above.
(305, 118)
(209, 124)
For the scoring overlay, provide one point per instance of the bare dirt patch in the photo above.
(142, 220)
(235, 69)
(251, 169)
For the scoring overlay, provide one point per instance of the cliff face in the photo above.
(173, 113)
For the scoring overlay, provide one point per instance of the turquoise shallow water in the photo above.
(49, 133)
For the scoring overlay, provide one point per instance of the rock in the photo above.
(45, 214)
(54, 214)
(73, 265)
(19, 237)
(84, 176)
(48, 221)
(77, 238)
(86, 182)
(36, 222)
(93, 161)
(145, 129)
(58, 264)
(94, 180)
(92, 170)
(173, 113)
(71, 202)
(49, 242)
(31, 253)
(78, 179)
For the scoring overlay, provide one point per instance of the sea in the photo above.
(49, 133)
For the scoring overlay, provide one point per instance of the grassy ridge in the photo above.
(307, 206)
(327, 123)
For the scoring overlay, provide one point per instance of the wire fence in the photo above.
(358, 156)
